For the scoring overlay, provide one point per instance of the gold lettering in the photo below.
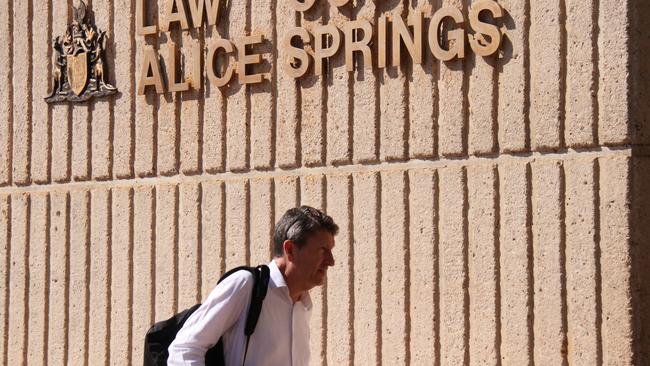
(445, 36)
(381, 41)
(151, 67)
(456, 37)
(196, 10)
(296, 61)
(213, 47)
(413, 43)
(350, 29)
(172, 71)
(141, 20)
(298, 5)
(195, 79)
(171, 16)
(212, 7)
(477, 41)
(339, 2)
(246, 59)
(320, 50)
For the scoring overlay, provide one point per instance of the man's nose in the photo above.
(329, 258)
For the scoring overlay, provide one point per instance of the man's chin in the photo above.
(320, 277)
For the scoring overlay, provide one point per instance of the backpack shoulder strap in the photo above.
(237, 269)
(261, 275)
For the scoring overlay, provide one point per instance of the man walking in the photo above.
(302, 246)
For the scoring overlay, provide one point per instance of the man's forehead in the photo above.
(324, 237)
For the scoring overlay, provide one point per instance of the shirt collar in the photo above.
(277, 281)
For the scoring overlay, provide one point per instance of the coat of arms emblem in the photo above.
(79, 67)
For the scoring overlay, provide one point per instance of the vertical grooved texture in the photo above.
(640, 256)
(5, 251)
(365, 95)
(101, 135)
(80, 275)
(581, 267)
(548, 247)
(237, 244)
(546, 75)
(287, 106)
(165, 249)
(237, 122)
(615, 260)
(287, 194)
(61, 134)
(122, 279)
(451, 129)
(143, 296)
(314, 194)
(213, 235)
(81, 140)
(482, 214)
(41, 121)
(146, 127)
(38, 279)
(59, 279)
(261, 220)
(367, 245)
(190, 105)
(6, 92)
(214, 114)
(422, 95)
(189, 245)
(422, 242)
(581, 86)
(394, 290)
(515, 271)
(19, 281)
(452, 266)
(22, 100)
(482, 99)
(635, 87)
(313, 94)
(614, 43)
(167, 122)
(339, 115)
(262, 107)
(393, 95)
(124, 72)
(102, 247)
(340, 349)
(514, 102)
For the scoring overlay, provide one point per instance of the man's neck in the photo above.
(295, 292)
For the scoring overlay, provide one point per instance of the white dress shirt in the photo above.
(281, 337)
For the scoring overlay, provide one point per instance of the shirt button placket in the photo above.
(293, 330)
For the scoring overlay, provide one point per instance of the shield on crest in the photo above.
(77, 71)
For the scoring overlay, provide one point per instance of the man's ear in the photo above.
(289, 248)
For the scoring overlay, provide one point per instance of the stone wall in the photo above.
(492, 211)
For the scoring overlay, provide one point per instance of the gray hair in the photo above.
(297, 224)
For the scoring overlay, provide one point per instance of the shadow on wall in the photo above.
(639, 13)
(640, 254)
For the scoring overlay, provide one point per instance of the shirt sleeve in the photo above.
(211, 320)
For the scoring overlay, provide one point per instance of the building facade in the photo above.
(493, 209)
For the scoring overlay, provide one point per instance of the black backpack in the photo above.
(162, 333)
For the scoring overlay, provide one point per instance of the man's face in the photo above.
(312, 260)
